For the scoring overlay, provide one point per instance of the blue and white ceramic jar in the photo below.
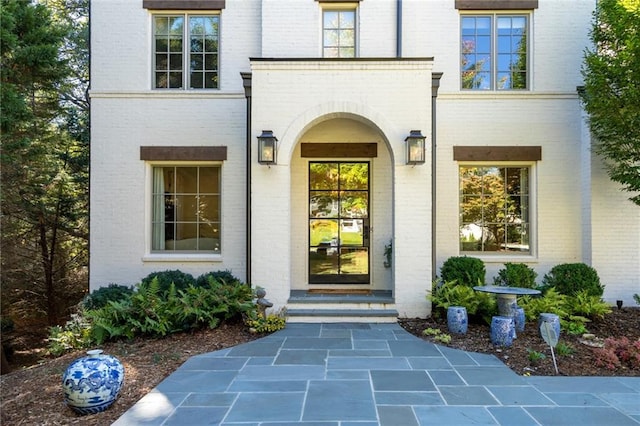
(502, 331)
(519, 318)
(457, 320)
(553, 320)
(92, 383)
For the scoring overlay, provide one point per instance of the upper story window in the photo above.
(186, 51)
(339, 33)
(494, 52)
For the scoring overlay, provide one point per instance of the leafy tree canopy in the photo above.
(612, 90)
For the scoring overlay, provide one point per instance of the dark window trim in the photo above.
(496, 4)
(184, 4)
(183, 153)
(339, 150)
(497, 153)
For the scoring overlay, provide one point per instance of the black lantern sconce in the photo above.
(415, 147)
(267, 148)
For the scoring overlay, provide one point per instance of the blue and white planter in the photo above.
(553, 320)
(92, 383)
(519, 318)
(502, 331)
(457, 320)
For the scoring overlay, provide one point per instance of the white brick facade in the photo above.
(578, 214)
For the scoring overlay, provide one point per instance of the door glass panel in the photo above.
(339, 222)
(354, 204)
(351, 232)
(323, 204)
(354, 261)
(323, 176)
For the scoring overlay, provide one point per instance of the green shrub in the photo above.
(516, 275)
(99, 297)
(182, 280)
(468, 271)
(570, 278)
(220, 276)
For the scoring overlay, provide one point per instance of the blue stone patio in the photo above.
(354, 374)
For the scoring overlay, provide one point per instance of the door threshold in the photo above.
(339, 291)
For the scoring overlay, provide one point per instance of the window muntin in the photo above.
(494, 52)
(495, 205)
(185, 209)
(186, 55)
(339, 33)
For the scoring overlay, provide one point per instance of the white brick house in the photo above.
(182, 89)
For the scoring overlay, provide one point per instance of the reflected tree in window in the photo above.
(494, 209)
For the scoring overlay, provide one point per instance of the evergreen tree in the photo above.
(44, 165)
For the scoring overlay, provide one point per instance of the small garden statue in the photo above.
(262, 303)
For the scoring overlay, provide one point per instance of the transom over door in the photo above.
(339, 222)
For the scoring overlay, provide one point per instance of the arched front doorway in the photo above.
(341, 209)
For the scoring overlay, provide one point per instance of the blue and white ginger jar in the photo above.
(92, 383)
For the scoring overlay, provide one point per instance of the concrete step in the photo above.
(376, 306)
(357, 314)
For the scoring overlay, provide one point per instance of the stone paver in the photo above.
(355, 374)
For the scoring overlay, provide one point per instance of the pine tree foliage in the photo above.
(44, 164)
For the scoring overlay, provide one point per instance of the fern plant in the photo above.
(446, 294)
(552, 302)
(584, 304)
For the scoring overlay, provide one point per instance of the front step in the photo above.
(376, 306)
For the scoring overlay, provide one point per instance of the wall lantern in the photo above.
(415, 147)
(267, 144)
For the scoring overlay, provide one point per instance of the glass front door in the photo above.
(339, 222)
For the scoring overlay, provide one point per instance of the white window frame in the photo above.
(493, 71)
(501, 257)
(186, 53)
(340, 7)
(178, 256)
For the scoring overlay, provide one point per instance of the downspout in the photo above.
(88, 97)
(398, 28)
(246, 84)
(435, 84)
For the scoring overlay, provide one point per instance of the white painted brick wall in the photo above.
(126, 114)
(317, 94)
(120, 186)
(528, 121)
(121, 33)
(616, 238)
